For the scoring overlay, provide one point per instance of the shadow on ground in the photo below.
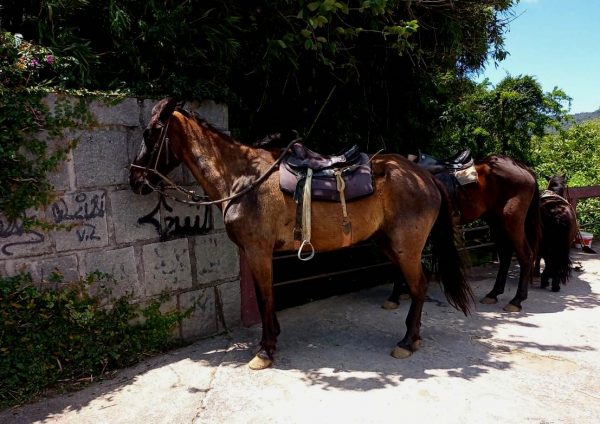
(343, 344)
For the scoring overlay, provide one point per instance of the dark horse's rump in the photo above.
(559, 228)
(506, 197)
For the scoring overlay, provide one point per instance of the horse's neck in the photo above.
(219, 164)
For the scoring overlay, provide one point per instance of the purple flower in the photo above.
(49, 59)
(34, 62)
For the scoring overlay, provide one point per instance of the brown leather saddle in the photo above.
(308, 175)
(458, 162)
(354, 166)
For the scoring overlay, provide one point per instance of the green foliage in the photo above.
(276, 61)
(575, 153)
(61, 338)
(28, 127)
(501, 119)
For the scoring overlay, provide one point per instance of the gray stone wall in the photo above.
(148, 245)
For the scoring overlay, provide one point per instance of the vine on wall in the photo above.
(33, 133)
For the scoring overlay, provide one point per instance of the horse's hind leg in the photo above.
(525, 257)
(505, 252)
(412, 270)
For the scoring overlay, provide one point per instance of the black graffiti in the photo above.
(88, 233)
(9, 229)
(86, 209)
(176, 226)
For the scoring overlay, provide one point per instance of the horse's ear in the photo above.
(168, 109)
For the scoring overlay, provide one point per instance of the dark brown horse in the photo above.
(506, 197)
(559, 229)
(407, 205)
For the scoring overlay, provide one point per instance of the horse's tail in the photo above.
(562, 259)
(533, 226)
(447, 257)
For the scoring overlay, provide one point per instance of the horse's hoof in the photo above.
(388, 304)
(416, 345)
(400, 352)
(259, 363)
(512, 308)
(489, 301)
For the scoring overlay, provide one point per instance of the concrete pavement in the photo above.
(333, 364)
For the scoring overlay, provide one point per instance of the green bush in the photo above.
(61, 338)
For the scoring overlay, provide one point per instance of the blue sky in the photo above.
(558, 42)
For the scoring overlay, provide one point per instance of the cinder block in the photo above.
(126, 112)
(127, 209)
(41, 269)
(166, 267)
(217, 258)
(60, 178)
(230, 296)
(101, 158)
(203, 321)
(86, 211)
(121, 265)
(16, 242)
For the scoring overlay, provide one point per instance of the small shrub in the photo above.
(62, 338)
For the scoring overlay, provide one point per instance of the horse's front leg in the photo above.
(261, 266)
(399, 291)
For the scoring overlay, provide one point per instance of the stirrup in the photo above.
(312, 253)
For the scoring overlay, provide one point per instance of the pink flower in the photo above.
(34, 62)
(49, 59)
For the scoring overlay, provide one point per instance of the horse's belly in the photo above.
(329, 230)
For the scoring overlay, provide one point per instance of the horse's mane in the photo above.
(204, 123)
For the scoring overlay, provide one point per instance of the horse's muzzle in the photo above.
(139, 185)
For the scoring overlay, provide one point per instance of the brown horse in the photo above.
(407, 204)
(506, 197)
(559, 229)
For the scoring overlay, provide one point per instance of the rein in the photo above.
(196, 198)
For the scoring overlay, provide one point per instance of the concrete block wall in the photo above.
(148, 244)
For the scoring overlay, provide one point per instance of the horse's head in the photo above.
(156, 156)
(558, 184)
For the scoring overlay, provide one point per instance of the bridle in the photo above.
(193, 198)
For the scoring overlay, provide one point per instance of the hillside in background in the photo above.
(585, 116)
